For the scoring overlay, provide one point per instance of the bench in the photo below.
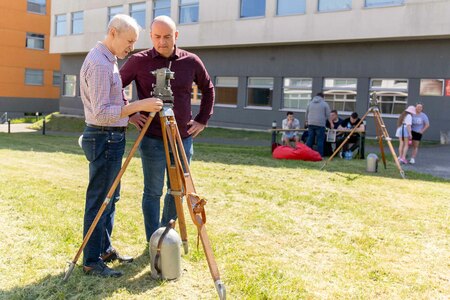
(362, 140)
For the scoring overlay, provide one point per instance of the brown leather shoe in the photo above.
(102, 270)
(114, 255)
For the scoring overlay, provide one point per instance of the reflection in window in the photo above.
(340, 93)
(34, 77)
(291, 7)
(35, 41)
(330, 5)
(297, 92)
(392, 94)
(378, 3)
(70, 83)
(253, 8)
(188, 11)
(60, 24)
(196, 95)
(114, 10)
(226, 90)
(36, 6)
(77, 22)
(259, 91)
(137, 11)
(161, 8)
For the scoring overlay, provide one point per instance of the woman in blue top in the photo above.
(420, 123)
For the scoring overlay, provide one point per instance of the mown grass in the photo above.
(279, 229)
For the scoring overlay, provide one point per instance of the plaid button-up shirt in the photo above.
(101, 88)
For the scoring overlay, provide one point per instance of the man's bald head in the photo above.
(164, 34)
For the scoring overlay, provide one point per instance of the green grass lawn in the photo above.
(279, 229)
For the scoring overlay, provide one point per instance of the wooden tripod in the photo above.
(382, 133)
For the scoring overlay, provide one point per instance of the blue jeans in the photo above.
(104, 151)
(314, 131)
(154, 169)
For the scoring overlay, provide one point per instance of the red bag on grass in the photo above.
(302, 152)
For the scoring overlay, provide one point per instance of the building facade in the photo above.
(29, 74)
(268, 57)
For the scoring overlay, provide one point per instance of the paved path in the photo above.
(434, 160)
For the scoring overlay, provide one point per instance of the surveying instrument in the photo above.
(181, 183)
(381, 132)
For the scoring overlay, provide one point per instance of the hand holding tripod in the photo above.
(181, 183)
(381, 131)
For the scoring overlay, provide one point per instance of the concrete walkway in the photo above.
(434, 160)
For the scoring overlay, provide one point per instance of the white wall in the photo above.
(220, 24)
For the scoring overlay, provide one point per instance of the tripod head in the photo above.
(373, 101)
(161, 89)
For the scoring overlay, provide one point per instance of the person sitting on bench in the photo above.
(290, 123)
(348, 124)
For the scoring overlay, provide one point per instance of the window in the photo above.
(226, 90)
(56, 78)
(340, 93)
(259, 91)
(77, 22)
(297, 92)
(188, 11)
(114, 10)
(330, 5)
(137, 11)
(34, 77)
(431, 87)
(378, 3)
(291, 7)
(196, 95)
(35, 41)
(60, 24)
(253, 8)
(70, 83)
(161, 7)
(36, 6)
(392, 94)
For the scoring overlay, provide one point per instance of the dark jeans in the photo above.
(104, 151)
(154, 168)
(352, 143)
(314, 131)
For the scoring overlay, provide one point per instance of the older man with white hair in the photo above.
(188, 69)
(103, 140)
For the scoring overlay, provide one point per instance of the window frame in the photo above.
(383, 5)
(61, 22)
(390, 92)
(56, 74)
(259, 86)
(36, 72)
(341, 90)
(218, 85)
(301, 89)
(36, 37)
(144, 10)
(79, 20)
(241, 8)
(192, 4)
(162, 8)
(110, 8)
(42, 7)
(73, 82)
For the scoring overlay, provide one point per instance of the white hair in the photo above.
(122, 23)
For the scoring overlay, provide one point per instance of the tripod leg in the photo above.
(346, 140)
(175, 178)
(378, 128)
(108, 197)
(194, 202)
(388, 139)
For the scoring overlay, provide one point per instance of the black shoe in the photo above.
(100, 269)
(114, 255)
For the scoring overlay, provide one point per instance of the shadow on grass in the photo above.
(216, 153)
(80, 286)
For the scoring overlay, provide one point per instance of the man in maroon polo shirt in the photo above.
(188, 68)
